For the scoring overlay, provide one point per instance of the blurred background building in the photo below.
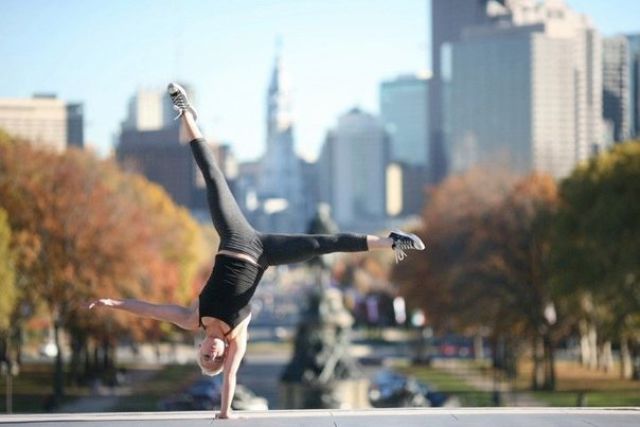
(449, 18)
(616, 85)
(352, 169)
(404, 113)
(280, 187)
(634, 84)
(44, 120)
(525, 84)
(523, 89)
(149, 144)
(149, 109)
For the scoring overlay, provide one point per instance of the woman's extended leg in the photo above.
(291, 248)
(235, 231)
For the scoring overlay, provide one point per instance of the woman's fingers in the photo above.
(97, 303)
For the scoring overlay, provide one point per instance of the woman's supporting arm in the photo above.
(237, 348)
(186, 318)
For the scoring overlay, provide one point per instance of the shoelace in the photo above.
(399, 254)
(180, 104)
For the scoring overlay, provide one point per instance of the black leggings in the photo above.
(236, 234)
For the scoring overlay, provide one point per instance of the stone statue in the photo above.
(321, 365)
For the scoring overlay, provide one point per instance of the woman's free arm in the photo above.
(186, 318)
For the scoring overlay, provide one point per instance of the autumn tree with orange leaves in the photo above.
(83, 229)
(429, 279)
(486, 268)
(508, 273)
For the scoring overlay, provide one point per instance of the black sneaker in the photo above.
(180, 100)
(405, 241)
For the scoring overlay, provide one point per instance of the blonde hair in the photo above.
(211, 371)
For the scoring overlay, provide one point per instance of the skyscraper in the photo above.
(158, 155)
(280, 187)
(357, 156)
(44, 120)
(75, 125)
(449, 18)
(149, 144)
(404, 113)
(403, 110)
(151, 109)
(616, 64)
(634, 86)
(524, 89)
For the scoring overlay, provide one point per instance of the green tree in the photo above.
(7, 274)
(598, 247)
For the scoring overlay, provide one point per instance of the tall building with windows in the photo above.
(524, 90)
(634, 83)
(616, 63)
(75, 125)
(144, 111)
(44, 120)
(151, 109)
(149, 144)
(449, 19)
(404, 113)
(352, 164)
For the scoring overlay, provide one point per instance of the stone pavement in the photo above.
(531, 417)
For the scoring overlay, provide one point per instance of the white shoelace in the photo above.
(180, 104)
(399, 254)
(180, 112)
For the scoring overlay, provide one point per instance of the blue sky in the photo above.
(337, 53)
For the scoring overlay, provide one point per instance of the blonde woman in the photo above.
(223, 306)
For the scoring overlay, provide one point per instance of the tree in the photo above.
(7, 275)
(83, 229)
(431, 279)
(598, 229)
(486, 268)
(509, 264)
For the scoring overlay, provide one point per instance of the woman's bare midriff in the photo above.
(239, 255)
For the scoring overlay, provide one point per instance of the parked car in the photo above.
(205, 394)
(392, 390)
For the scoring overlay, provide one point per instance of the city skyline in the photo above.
(337, 55)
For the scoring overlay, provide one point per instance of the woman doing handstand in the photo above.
(223, 306)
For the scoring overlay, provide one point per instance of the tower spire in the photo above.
(279, 102)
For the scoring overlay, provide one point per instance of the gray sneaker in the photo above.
(180, 100)
(405, 241)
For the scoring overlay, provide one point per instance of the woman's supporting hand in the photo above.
(228, 416)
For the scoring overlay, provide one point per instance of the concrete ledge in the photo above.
(494, 417)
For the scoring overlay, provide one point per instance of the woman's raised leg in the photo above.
(228, 219)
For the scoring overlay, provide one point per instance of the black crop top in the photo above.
(229, 289)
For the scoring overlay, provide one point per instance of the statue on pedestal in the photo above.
(321, 365)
